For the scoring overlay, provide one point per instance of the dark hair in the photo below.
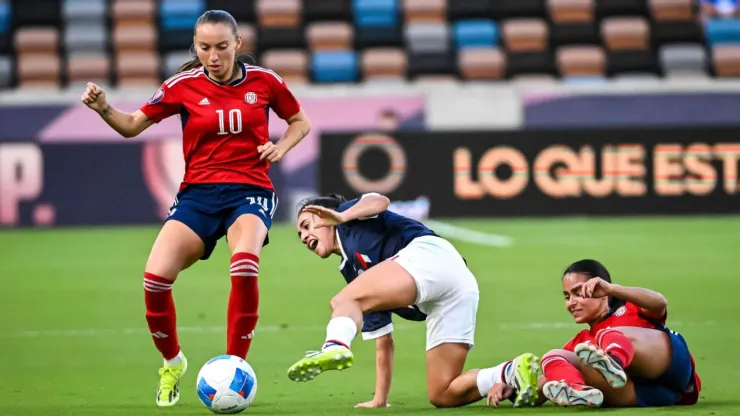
(213, 17)
(591, 269)
(331, 201)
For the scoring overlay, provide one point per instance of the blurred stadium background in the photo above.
(532, 132)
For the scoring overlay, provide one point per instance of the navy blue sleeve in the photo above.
(376, 324)
(347, 205)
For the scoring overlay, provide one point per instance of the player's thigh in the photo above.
(445, 363)
(247, 234)
(653, 352)
(176, 248)
(382, 287)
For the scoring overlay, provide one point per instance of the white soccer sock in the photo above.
(341, 329)
(175, 361)
(489, 377)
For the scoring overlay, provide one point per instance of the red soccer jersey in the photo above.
(223, 123)
(631, 315)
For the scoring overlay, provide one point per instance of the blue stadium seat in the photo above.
(723, 31)
(334, 66)
(475, 33)
(375, 13)
(5, 14)
(180, 14)
(84, 10)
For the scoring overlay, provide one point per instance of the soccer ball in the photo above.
(226, 384)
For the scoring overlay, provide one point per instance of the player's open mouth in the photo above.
(312, 244)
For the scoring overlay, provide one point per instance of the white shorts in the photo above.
(446, 289)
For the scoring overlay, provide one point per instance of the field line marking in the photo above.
(523, 326)
(469, 236)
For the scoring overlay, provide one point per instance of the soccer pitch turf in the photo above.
(74, 341)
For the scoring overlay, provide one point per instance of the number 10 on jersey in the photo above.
(235, 122)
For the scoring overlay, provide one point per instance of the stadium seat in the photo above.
(133, 12)
(6, 71)
(91, 36)
(334, 66)
(623, 33)
(470, 9)
(132, 38)
(482, 63)
(611, 8)
(175, 40)
(37, 39)
(726, 60)
(173, 61)
(573, 22)
(325, 36)
(242, 10)
(249, 38)
(440, 63)
(672, 10)
(674, 21)
(683, 58)
(279, 13)
(280, 38)
(723, 31)
(581, 61)
(37, 13)
(291, 65)
(425, 10)
(323, 10)
(427, 37)
(180, 14)
(5, 16)
(525, 35)
(375, 13)
(138, 69)
(475, 33)
(88, 67)
(39, 70)
(76, 11)
(385, 63)
(519, 8)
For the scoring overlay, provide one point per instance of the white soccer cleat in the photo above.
(594, 357)
(563, 394)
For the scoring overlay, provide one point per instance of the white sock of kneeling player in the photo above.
(340, 331)
(489, 377)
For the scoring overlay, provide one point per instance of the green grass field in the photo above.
(73, 338)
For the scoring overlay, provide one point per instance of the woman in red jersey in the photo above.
(626, 358)
(223, 105)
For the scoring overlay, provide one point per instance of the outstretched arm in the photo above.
(383, 372)
(127, 125)
(652, 303)
(368, 206)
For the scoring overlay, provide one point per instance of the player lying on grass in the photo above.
(391, 262)
(626, 358)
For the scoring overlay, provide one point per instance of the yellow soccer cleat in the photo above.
(168, 391)
(526, 369)
(316, 362)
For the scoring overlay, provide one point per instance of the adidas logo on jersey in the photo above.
(204, 102)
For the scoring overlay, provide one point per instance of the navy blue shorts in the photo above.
(210, 209)
(667, 389)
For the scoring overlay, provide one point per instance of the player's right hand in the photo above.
(498, 393)
(372, 404)
(325, 217)
(94, 97)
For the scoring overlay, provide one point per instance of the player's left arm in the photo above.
(367, 206)
(651, 303)
(286, 106)
(379, 326)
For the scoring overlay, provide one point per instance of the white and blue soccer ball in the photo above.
(226, 384)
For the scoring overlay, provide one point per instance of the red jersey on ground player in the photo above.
(632, 315)
(224, 123)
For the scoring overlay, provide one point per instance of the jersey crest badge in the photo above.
(157, 97)
(621, 311)
(250, 97)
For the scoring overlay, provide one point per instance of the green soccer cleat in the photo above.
(168, 391)
(526, 369)
(316, 362)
